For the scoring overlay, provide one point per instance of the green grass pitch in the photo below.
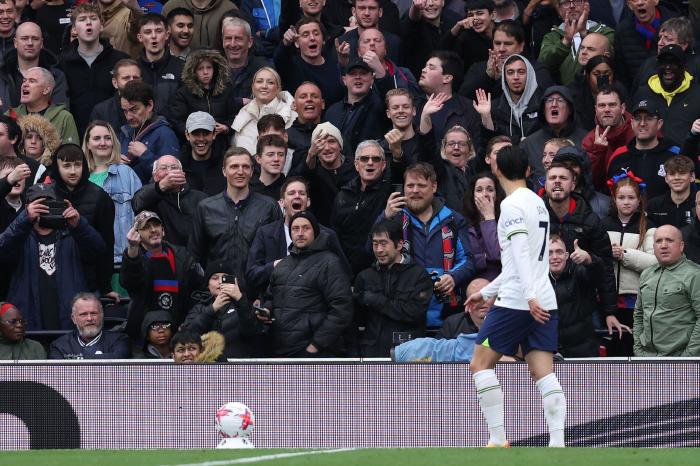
(364, 457)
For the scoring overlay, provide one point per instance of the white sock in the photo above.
(554, 406)
(490, 395)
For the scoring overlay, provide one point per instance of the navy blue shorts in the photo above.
(504, 330)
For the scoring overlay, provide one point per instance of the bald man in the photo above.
(592, 45)
(667, 313)
(29, 52)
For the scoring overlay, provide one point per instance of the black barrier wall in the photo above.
(641, 404)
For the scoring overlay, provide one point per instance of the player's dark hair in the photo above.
(390, 228)
(512, 29)
(183, 337)
(512, 162)
(179, 11)
(496, 140)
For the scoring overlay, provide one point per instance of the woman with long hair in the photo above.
(632, 239)
(118, 180)
(482, 202)
(268, 98)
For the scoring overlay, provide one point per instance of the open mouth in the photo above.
(554, 113)
(313, 47)
(296, 205)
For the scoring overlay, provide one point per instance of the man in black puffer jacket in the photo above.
(574, 285)
(70, 172)
(392, 296)
(572, 218)
(309, 295)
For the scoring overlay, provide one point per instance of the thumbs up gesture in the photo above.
(580, 256)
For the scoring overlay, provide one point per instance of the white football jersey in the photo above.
(523, 212)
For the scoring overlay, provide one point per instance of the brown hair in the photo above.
(86, 8)
(270, 140)
(679, 164)
(421, 169)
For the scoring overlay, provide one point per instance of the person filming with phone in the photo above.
(45, 245)
(225, 309)
(158, 275)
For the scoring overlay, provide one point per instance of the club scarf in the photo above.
(165, 284)
(648, 30)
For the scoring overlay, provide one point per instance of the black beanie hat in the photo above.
(308, 216)
(218, 267)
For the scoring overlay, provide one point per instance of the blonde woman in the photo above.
(102, 151)
(268, 98)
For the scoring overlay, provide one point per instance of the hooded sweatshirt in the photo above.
(523, 106)
(207, 32)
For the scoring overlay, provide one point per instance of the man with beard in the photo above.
(110, 110)
(359, 203)
(309, 105)
(89, 340)
(581, 230)
(674, 92)
(508, 39)
(208, 15)
(309, 64)
(556, 113)
(646, 154)
(180, 28)
(613, 129)
(159, 276)
(435, 237)
(272, 241)
(561, 45)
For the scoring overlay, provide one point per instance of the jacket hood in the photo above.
(156, 123)
(565, 92)
(210, 6)
(213, 344)
(52, 171)
(154, 316)
(46, 131)
(221, 72)
(518, 108)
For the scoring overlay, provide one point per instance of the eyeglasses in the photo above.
(14, 322)
(645, 119)
(570, 3)
(554, 100)
(160, 326)
(169, 167)
(460, 144)
(373, 158)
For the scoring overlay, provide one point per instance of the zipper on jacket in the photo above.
(619, 262)
(656, 293)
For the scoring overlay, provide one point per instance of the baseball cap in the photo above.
(200, 120)
(41, 190)
(357, 62)
(646, 106)
(143, 217)
(674, 52)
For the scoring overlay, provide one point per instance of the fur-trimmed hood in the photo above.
(46, 131)
(213, 344)
(221, 72)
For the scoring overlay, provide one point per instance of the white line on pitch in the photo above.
(257, 459)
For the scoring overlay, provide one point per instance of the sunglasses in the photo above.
(373, 158)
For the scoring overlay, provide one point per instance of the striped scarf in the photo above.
(165, 285)
(648, 30)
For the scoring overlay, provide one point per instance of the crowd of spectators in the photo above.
(313, 178)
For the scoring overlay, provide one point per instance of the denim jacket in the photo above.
(121, 185)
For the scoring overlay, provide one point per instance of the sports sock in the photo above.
(554, 406)
(490, 396)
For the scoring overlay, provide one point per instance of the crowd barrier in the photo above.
(335, 404)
